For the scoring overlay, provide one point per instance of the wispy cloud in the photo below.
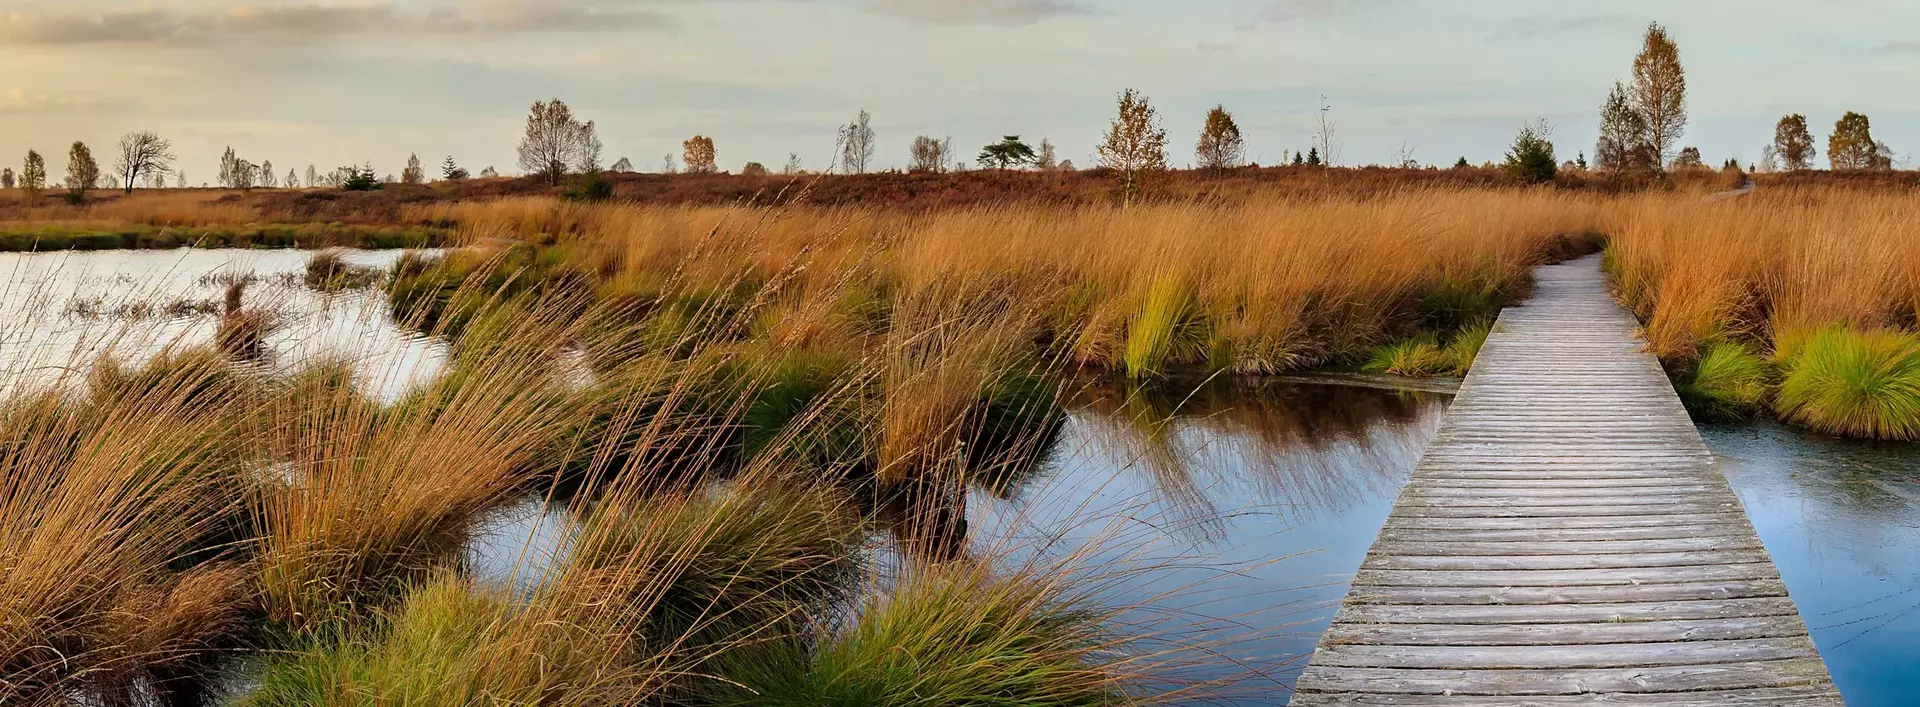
(994, 12)
(15, 101)
(1297, 10)
(1532, 27)
(318, 20)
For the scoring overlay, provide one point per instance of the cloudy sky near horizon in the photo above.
(330, 82)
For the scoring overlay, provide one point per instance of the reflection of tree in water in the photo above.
(1304, 448)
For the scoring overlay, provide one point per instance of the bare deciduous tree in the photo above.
(1135, 146)
(700, 157)
(7, 179)
(142, 153)
(1324, 145)
(313, 177)
(1660, 92)
(1623, 143)
(1220, 145)
(623, 165)
(929, 154)
(293, 179)
(856, 144)
(1793, 144)
(793, 164)
(556, 143)
(589, 159)
(668, 165)
(1047, 160)
(267, 175)
(489, 173)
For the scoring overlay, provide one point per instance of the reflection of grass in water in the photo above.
(1143, 424)
(1309, 447)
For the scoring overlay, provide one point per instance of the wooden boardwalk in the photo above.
(1567, 539)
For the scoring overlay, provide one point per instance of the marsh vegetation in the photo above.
(744, 414)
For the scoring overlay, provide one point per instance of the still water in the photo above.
(1242, 508)
(1842, 521)
(68, 307)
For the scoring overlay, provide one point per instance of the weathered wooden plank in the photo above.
(1561, 497)
(1823, 695)
(1728, 532)
(1626, 606)
(1433, 510)
(1601, 655)
(1632, 560)
(1564, 522)
(1628, 485)
(1566, 538)
(1612, 576)
(1717, 629)
(1515, 596)
(1467, 684)
(1432, 546)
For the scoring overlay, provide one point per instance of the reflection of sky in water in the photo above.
(1842, 521)
(45, 326)
(1245, 516)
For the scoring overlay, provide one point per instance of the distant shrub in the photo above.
(592, 185)
(1531, 158)
(361, 179)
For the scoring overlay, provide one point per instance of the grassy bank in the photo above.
(1140, 291)
(1800, 303)
(42, 238)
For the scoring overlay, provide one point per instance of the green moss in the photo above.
(1854, 383)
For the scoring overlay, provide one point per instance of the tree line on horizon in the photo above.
(1641, 124)
(1643, 120)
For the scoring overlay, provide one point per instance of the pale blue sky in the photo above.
(329, 82)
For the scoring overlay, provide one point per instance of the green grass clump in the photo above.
(1730, 381)
(1855, 383)
(1418, 356)
(1166, 330)
(948, 634)
(449, 645)
(1465, 348)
